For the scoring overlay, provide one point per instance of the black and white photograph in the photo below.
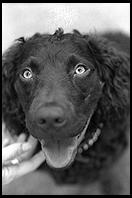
(65, 98)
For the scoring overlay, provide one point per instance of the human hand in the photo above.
(15, 158)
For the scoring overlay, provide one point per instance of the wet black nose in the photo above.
(50, 117)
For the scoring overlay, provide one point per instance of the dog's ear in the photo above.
(113, 69)
(12, 113)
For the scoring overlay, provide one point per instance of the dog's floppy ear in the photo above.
(113, 69)
(11, 109)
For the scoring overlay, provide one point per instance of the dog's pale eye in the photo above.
(81, 69)
(27, 74)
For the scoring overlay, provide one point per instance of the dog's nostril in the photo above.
(58, 120)
(42, 121)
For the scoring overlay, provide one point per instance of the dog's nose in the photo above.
(50, 117)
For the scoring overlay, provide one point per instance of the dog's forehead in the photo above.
(45, 47)
(46, 51)
(57, 50)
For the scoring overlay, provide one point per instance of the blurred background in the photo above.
(25, 19)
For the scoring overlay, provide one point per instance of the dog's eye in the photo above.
(80, 69)
(27, 73)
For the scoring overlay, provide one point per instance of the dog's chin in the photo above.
(60, 153)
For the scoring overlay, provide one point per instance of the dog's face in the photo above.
(58, 87)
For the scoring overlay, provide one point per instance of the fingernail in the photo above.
(26, 146)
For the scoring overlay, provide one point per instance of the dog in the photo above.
(71, 92)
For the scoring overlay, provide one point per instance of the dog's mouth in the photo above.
(60, 153)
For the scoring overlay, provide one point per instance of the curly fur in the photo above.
(112, 65)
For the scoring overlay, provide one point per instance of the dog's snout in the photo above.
(50, 117)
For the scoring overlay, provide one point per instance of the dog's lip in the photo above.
(60, 153)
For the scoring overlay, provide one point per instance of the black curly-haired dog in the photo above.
(71, 92)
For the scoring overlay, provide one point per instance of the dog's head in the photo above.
(51, 86)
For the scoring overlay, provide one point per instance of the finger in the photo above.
(21, 138)
(28, 154)
(32, 140)
(14, 150)
(31, 165)
(5, 142)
